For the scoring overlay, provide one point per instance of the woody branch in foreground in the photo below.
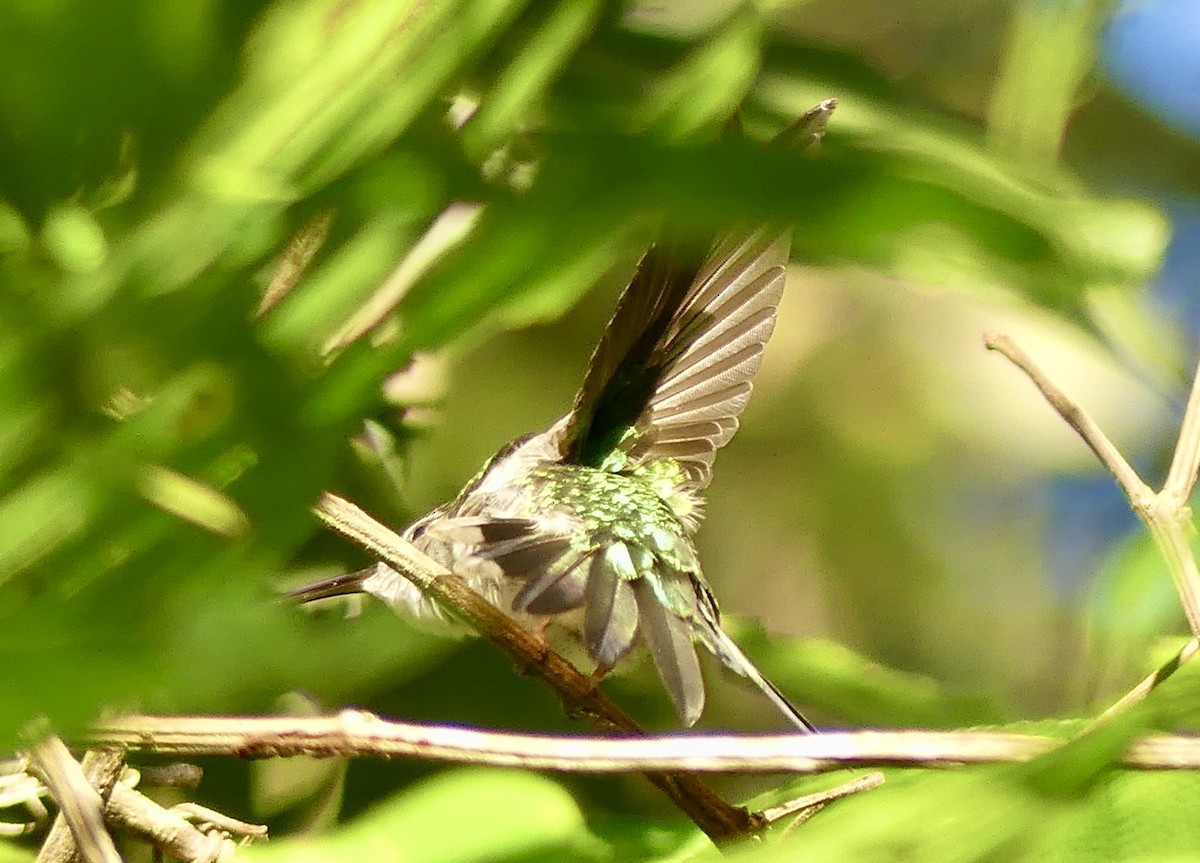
(719, 819)
(364, 734)
(1165, 513)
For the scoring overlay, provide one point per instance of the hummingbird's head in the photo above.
(513, 461)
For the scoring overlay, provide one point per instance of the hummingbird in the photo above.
(588, 526)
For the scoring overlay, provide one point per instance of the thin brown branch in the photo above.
(354, 733)
(80, 805)
(714, 815)
(102, 768)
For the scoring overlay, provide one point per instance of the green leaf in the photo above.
(73, 239)
(990, 813)
(457, 817)
(932, 204)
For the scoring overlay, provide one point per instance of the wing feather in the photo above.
(681, 317)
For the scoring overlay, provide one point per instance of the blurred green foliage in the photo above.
(161, 442)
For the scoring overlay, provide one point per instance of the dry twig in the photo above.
(100, 787)
(1165, 513)
(168, 831)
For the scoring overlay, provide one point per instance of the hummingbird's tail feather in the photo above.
(610, 609)
(340, 585)
(731, 655)
(669, 638)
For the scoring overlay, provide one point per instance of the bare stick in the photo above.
(1138, 492)
(355, 733)
(198, 814)
(1165, 514)
(80, 806)
(714, 815)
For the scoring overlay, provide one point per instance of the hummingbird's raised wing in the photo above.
(673, 371)
(624, 372)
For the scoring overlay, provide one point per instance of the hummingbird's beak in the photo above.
(340, 585)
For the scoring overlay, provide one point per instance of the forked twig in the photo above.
(1165, 514)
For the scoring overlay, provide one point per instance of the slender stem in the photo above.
(102, 768)
(717, 817)
(1170, 529)
(1138, 492)
(1146, 686)
(364, 734)
(819, 799)
(168, 831)
(1186, 461)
